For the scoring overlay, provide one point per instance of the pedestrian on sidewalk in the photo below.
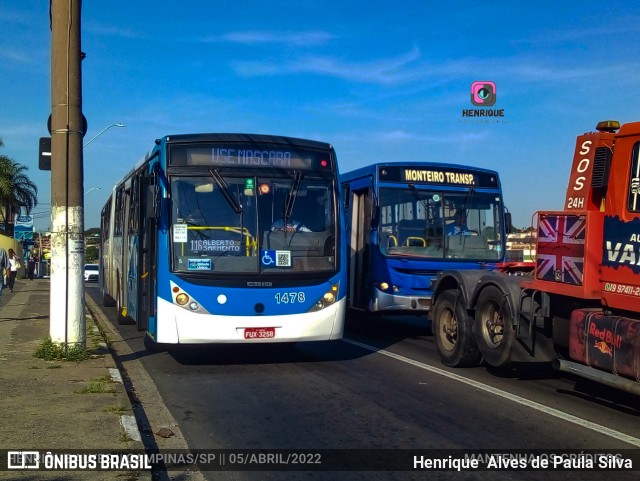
(14, 265)
(4, 263)
(31, 267)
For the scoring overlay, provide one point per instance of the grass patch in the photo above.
(51, 351)
(119, 409)
(99, 338)
(97, 386)
(129, 476)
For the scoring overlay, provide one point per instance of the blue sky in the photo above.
(381, 81)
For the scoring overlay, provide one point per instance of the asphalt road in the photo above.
(382, 387)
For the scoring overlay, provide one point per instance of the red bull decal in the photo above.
(605, 335)
(603, 347)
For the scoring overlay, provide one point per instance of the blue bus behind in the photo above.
(228, 238)
(406, 222)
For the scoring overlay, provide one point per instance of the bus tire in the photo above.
(453, 331)
(494, 327)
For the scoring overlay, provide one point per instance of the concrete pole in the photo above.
(67, 313)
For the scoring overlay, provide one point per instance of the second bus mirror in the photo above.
(375, 217)
(508, 226)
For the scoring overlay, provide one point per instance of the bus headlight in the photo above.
(185, 301)
(327, 299)
(182, 299)
(384, 286)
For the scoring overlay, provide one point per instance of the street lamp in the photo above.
(102, 132)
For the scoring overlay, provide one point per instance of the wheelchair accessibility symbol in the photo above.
(268, 257)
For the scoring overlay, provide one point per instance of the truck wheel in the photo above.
(494, 327)
(453, 331)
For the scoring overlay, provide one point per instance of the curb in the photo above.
(150, 415)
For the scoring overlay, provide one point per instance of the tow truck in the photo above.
(579, 307)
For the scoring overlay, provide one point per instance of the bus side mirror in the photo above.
(508, 226)
(375, 217)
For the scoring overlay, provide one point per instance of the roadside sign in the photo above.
(23, 227)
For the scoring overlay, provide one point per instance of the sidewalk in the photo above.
(54, 405)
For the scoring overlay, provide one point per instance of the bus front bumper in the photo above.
(385, 302)
(179, 326)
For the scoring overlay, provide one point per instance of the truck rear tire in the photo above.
(494, 327)
(453, 331)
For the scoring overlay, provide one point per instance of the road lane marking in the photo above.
(512, 397)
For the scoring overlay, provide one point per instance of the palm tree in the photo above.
(16, 188)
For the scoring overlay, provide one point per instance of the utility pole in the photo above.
(67, 312)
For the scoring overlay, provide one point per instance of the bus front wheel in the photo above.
(453, 331)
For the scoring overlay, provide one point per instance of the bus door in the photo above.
(121, 274)
(147, 248)
(359, 218)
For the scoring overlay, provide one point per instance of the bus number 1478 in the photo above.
(289, 297)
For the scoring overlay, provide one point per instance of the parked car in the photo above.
(91, 272)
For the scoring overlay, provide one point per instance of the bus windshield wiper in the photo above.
(224, 188)
(416, 194)
(290, 199)
(467, 201)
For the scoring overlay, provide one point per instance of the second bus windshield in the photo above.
(440, 225)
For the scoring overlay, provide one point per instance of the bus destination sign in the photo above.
(259, 156)
(437, 176)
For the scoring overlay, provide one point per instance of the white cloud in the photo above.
(15, 55)
(95, 28)
(457, 139)
(385, 71)
(396, 135)
(290, 38)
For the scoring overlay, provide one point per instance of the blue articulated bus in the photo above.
(227, 238)
(406, 222)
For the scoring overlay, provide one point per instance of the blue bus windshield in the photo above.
(235, 224)
(436, 225)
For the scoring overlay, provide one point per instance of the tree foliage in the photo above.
(17, 190)
(91, 255)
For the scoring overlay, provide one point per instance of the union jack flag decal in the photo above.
(560, 252)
